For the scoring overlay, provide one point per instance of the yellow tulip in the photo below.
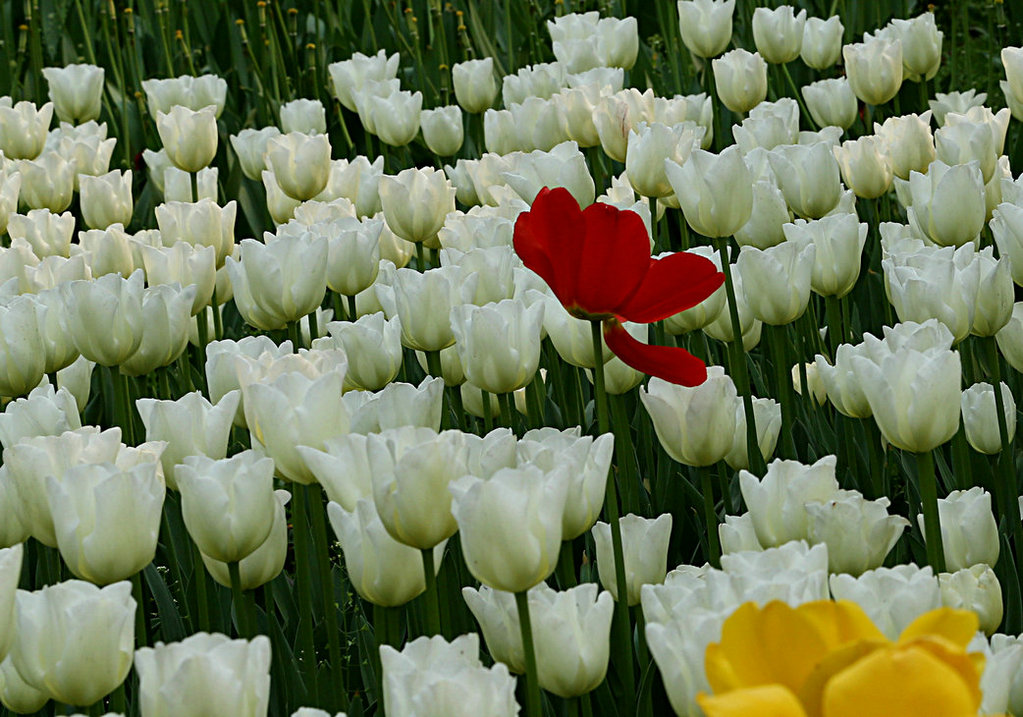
(768, 701)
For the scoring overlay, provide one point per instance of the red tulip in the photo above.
(597, 262)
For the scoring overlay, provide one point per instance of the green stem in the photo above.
(623, 627)
(323, 564)
(625, 450)
(430, 596)
(201, 595)
(238, 598)
(303, 578)
(566, 566)
(835, 335)
(504, 403)
(141, 628)
(294, 336)
(738, 365)
(1008, 478)
(353, 313)
(710, 516)
(421, 256)
(783, 386)
(218, 321)
(532, 682)
(929, 499)
(488, 419)
(314, 328)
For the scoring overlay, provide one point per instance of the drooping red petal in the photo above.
(549, 239)
(614, 259)
(667, 362)
(671, 285)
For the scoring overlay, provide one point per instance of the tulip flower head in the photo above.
(597, 262)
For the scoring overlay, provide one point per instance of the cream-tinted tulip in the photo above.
(769, 215)
(107, 519)
(10, 574)
(106, 199)
(995, 291)
(302, 115)
(76, 91)
(177, 185)
(396, 117)
(706, 25)
(715, 191)
(201, 223)
(13, 528)
(874, 68)
(859, 533)
(475, 85)
(189, 136)
(645, 552)
(44, 413)
(838, 240)
(10, 188)
(741, 79)
(969, 533)
(279, 282)
(510, 525)
(223, 357)
(908, 143)
(47, 182)
(767, 417)
(74, 641)
(921, 45)
(913, 395)
(23, 129)
(382, 570)
(342, 468)
(891, 597)
(186, 90)
(185, 264)
(442, 130)
(166, 316)
(865, 167)
(948, 202)
(778, 33)
(980, 418)
(776, 280)
(190, 426)
(348, 76)
(424, 301)
(373, 345)
(498, 344)
(292, 410)
(21, 348)
(415, 202)
(227, 504)
(250, 146)
(649, 145)
(300, 163)
(205, 674)
(808, 176)
(265, 562)
(831, 102)
(696, 426)
(776, 501)
(977, 589)
(433, 677)
(822, 42)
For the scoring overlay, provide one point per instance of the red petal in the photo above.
(668, 362)
(549, 239)
(672, 284)
(614, 259)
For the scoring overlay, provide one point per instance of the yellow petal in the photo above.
(909, 681)
(765, 701)
(812, 692)
(957, 626)
(775, 645)
(840, 622)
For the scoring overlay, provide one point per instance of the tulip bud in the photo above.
(767, 417)
(250, 146)
(701, 185)
(696, 426)
(23, 129)
(808, 177)
(373, 345)
(166, 316)
(995, 291)
(107, 199)
(21, 348)
(305, 116)
(76, 91)
(975, 588)
(47, 182)
(222, 358)
(398, 404)
(442, 130)
(44, 413)
(741, 79)
(107, 519)
(300, 163)
(839, 241)
(265, 562)
(189, 677)
(194, 93)
(649, 146)
(706, 25)
(382, 570)
(395, 116)
(776, 502)
(968, 530)
(190, 137)
(348, 76)
(769, 215)
(865, 168)
(822, 42)
(948, 203)
(892, 597)
(908, 142)
(10, 574)
(74, 640)
(874, 68)
(493, 515)
(415, 202)
(644, 550)
(227, 504)
(475, 85)
(778, 33)
(706, 311)
(424, 301)
(265, 279)
(921, 45)
(769, 124)
(432, 676)
(776, 280)
(859, 533)
(831, 102)
(498, 344)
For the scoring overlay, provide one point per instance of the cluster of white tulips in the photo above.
(390, 364)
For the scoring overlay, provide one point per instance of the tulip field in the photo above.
(554, 358)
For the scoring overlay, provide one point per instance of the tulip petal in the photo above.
(767, 701)
(549, 239)
(667, 362)
(956, 626)
(672, 284)
(614, 259)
